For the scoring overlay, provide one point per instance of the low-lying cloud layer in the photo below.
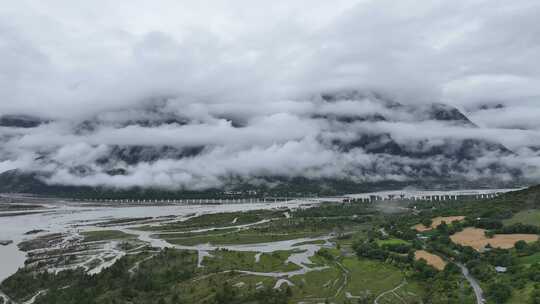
(197, 93)
(184, 144)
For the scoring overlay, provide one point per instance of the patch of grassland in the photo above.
(237, 260)
(324, 257)
(392, 242)
(316, 285)
(529, 217)
(242, 237)
(202, 289)
(345, 242)
(276, 261)
(411, 292)
(370, 276)
(215, 220)
(315, 242)
(317, 261)
(173, 235)
(521, 296)
(276, 230)
(105, 235)
(365, 277)
(531, 259)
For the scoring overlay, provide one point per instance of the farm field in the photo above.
(432, 259)
(477, 239)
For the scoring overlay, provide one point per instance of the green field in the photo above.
(529, 217)
(238, 260)
(392, 242)
(354, 277)
(202, 290)
(105, 235)
(531, 259)
(316, 242)
(173, 235)
(316, 286)
(368, 276)
(521, 296)
(242, 237)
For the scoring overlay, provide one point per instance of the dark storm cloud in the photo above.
(214, 65)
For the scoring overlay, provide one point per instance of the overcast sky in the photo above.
(262, 62)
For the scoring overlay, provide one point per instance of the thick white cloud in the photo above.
(217, 63)
(83, 58)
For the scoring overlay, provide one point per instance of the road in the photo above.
(476, 287)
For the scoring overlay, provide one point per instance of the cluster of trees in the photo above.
(223, 219)
(535, 295)
(487, 223)
(309, 224)
(499, 292)
(397, 254)
(518, 228)
(325, 253)
(489, 215)
(397, 247)
(113, 285)
(517, 275)
(370, 250)
(28, 282)
(423, 270)
(524, 249)
(156, 280)
(444, 286)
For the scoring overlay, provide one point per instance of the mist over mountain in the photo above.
(173, 144)
(217, 95)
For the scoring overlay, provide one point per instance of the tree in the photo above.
(426, 222)
(225, 294)
(535, 295)
(443, 228)
(452, 268)
(521, 245)
(288, 291)
(499, 292)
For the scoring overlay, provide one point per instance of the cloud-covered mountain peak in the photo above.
(193, 144)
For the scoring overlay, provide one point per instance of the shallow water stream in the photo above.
(67, 217)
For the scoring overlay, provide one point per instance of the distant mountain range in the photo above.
(454, 155)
